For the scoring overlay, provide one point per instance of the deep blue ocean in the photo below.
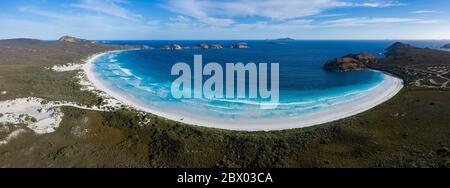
(144, 75)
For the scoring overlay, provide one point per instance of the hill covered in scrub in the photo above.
(418, 66)
(37, 52)
(70, 39)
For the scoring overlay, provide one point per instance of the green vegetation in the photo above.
(30, 119)
(24, 70)
(411, 130)
(64, 152)
(391, 135)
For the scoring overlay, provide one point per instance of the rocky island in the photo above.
(198, 46)
(447, 46)
(204, 46)
(241, 45)
(281, 41)
(207, 46)
(216, 46)
(284, 39)
(171, 47)
(277, 42)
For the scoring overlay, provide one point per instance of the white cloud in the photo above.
(84, 24)
(218, 21)
(329, 15)
(378, 4)
(108, 7)
(360, 21)
(196, 9)
(344, 22)
(273, 9)
(429, 21)
(300, 22)
(224, 11)
(424, 12)
(276, 15)
(265, 26)
(180, 18)
(279, 13)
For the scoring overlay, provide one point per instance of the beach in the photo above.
(387, 89)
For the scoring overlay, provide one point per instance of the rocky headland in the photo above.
(350, 62)
(421, 67)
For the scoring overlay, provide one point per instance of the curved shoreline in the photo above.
(378, 95)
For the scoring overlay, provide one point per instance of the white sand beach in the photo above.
(376, 96)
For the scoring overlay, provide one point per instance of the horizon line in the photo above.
(225, 39)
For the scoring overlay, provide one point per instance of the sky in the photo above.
(225, 19)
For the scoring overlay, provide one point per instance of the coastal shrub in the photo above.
(64, 152)
(100, 101)
(28, 118)
(443, 151)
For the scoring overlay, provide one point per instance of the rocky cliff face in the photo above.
(350, 62)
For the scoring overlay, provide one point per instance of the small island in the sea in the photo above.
(446, 46)
(203, 46)
(240, 45)
(281, 41)
(287, 39)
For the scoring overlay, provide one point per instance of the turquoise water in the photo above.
(144, 76)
